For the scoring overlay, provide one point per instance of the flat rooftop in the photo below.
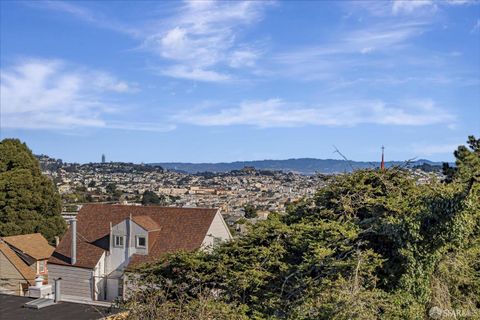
(11, 308)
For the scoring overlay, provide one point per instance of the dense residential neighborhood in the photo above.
(231, 191)
(264, 190)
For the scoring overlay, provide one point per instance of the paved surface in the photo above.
(11, 308)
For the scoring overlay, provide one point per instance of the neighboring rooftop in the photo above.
(27, 273)
(12, 309)
(174, 229)
(146, 222)
(34, 245)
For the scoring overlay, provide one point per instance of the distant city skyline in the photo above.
(208, 81)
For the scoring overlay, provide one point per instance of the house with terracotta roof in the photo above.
(34, 250)
(104, 241)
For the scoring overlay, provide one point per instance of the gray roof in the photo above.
(12, 308)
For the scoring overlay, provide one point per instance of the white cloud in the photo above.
(278, 113)
(184, 72)
(243, 58)
(55, 95)
(105, 81)
(203, 37)
(335, 60)
(384, 37)
(461, 2)
(409, 6)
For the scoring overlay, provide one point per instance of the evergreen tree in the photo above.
(373, 244)
(149, 198)
(250, 211)
(29, 201)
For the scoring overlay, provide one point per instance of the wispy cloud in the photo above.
(39, 94)
(408, 6)
(202, 38)
(462, 2)
(95, 18)
(279, 113)
(374, 47)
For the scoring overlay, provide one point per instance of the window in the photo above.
(41, 266)
(141, 242)
(118, 241)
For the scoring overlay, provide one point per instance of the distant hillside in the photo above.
(303, 165)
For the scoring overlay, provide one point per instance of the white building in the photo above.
(112, 238)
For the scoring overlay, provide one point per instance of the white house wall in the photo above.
(118, 257)
(99, 273)
(76, 283)
(218, 229)
(138, 231)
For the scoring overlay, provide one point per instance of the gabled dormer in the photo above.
(134, 235)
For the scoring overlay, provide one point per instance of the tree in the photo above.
(92, 184)
(29, 201)
(250, 211)
(372, 244)
(151, 198)
(111, 188)
(448, 172)
(467, 161)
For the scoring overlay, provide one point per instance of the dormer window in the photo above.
(118, 241)
(141, 242)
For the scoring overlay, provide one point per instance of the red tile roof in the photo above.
(180, 229)
(146, 222)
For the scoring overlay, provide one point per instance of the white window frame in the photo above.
(121, 243)
(42, 264)
(137, 242)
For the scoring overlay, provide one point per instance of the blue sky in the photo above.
(224, 81)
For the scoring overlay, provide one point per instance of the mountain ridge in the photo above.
(298, 165)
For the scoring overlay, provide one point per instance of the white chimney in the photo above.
(73, 226)
(38, 281)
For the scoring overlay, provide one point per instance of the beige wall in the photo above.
(218, 229)
(10, 279)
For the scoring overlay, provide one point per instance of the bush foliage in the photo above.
(373, 244)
